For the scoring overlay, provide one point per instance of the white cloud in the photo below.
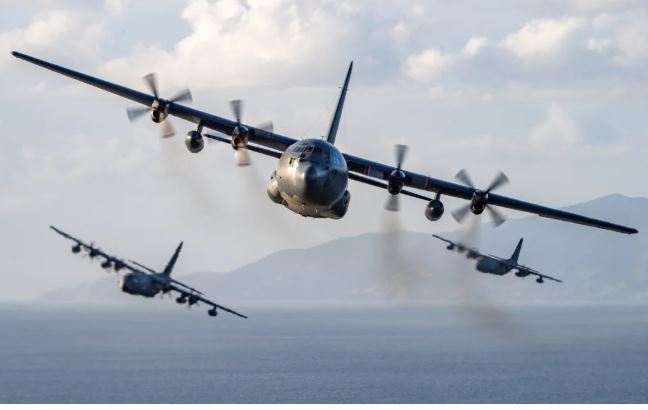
(557, 132)
(67, 31)
(236, 43)
(606, 51)
(542, 38)
(474, 44)
(427, 65)
(115, 7)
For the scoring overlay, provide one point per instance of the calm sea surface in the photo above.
(387, 355)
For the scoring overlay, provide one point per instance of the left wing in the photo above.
(359, 168)
(111, 261)
(194, 298)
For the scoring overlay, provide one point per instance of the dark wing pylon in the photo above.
(362, 170)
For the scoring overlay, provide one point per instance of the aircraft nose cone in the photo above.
(312, 182)
(310, 174)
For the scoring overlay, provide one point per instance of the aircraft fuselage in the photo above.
(311, 179)
(491, 265)
(139, 283)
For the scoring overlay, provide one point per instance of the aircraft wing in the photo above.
(534, 272)
(214, 122)
(471, 253)
(423, 182)
(116, 263)
(361, 170)
(203, 299)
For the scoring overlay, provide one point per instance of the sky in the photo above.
(550, 92)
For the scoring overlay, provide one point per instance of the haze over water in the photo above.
(386, 354)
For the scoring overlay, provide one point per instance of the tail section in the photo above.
(516, 253)
(172, 261)
(335, 122)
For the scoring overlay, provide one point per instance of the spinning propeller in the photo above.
(396, 180)
(479, 200)
(160, 107)
(241, 135)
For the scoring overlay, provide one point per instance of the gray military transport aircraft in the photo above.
(143, 281)
(494, 264)
(311, 178)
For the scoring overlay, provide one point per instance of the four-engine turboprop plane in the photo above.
(494, 264)
(143, 281)
(312, 174)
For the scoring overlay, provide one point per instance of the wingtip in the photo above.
(15, 54)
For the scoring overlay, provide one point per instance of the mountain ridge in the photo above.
(414, 266)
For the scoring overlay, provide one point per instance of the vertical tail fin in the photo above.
(335, 121)
(516, 253)
(172, 261)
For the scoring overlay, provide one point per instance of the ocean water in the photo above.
(342, 355)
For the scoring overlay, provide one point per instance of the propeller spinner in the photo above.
(241, 134)
(479, 201)
(396, 180)
(159, 109)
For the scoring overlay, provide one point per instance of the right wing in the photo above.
(211, 121)
(114, 262)
(194, 298)
(529, 271)
(471, 253)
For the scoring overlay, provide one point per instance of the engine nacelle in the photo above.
(521, 274)
(158, 111)
(181, 299)
(240, 136)
(478, 202)
(212, 312)
(76, 248)
(194, 141)
(540, 280)
(434, 210)
(395, 181)
(193, 299)
(106, 264)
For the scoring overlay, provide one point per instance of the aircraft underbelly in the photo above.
(491, 266)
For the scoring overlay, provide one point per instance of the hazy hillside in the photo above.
(596, 265)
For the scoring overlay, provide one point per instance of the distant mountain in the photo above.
(597, 266)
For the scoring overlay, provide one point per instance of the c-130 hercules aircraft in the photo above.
(494, 264)
(312, 174)
(143, 281)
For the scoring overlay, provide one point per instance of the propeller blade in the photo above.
(393, 203)
(460, 214)
(151, 82)
(463, 177)
(266, 126)
(237, 108)
(166, 129)
(498, 217)
(184, 95)
(401, 150)
(136, 112)
(500, 179)
(242, 157)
